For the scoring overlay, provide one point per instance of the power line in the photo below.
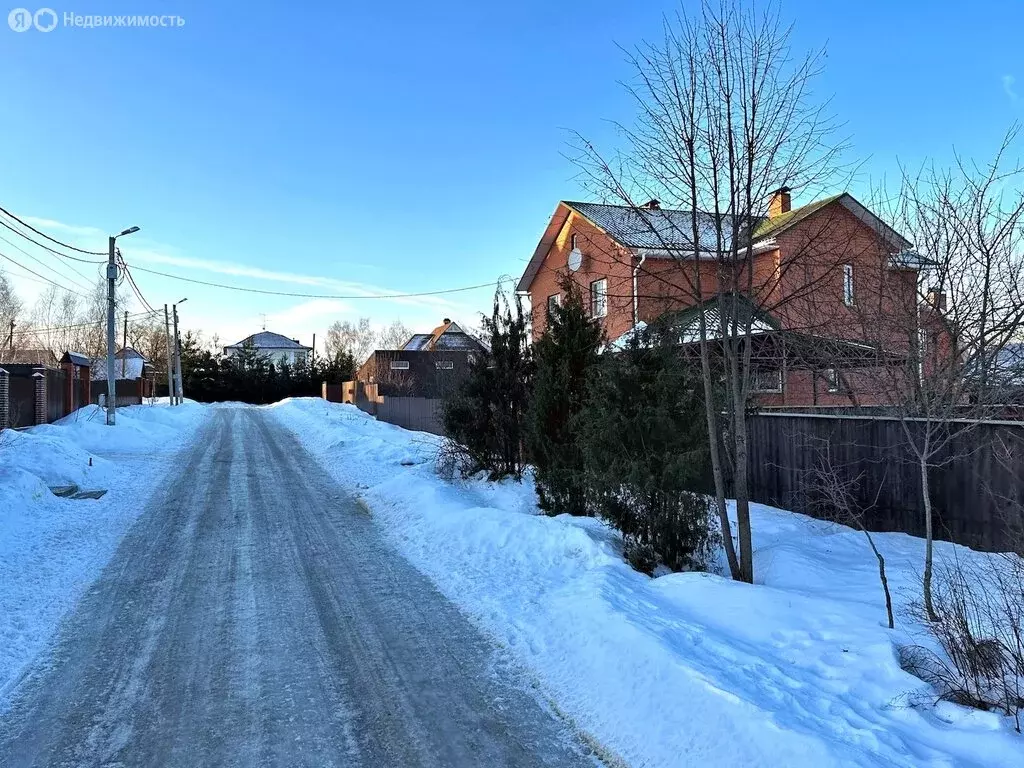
(41, 277)
(99, 322)
(52, 239)
(315, 295)
(43, 263)
(133, 284)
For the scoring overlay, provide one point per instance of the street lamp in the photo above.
(111, 280)
(177, 354)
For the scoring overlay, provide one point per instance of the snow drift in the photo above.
(686, 669)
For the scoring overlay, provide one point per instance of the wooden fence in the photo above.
(976, 481)
(422, 414)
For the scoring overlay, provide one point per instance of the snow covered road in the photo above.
(253, 616)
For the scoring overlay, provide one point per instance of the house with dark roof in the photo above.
(273, 346)
(427, 365)
(814, 278)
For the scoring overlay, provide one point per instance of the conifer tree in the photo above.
(563, 355)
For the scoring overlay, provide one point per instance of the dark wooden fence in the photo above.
(976, 482)
(422, 414)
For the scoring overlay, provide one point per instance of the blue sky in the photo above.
(401, 147)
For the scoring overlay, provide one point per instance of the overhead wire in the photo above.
(52, 239)
(41, 277)
(47, 266)
(315, 295)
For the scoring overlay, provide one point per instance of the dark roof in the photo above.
(660, 228)
(448, 335)
(269, 340)
(727, 307)
(76, 358)
(28, 357)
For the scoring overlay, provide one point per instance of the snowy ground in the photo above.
(686, 669)
(51, 548)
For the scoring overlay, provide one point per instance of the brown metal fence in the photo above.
(976, 485)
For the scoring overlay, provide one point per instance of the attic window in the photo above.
(399, 365)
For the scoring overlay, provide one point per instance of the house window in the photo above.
(399, 365)
(599, 298)
(848, 284)
(832, 379)
(554, 301)
(766, 381)
(444, 365)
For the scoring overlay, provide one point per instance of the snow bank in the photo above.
(52, 548)
(686, 669)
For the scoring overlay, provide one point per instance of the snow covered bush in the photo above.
(563, 356)
(644, 445)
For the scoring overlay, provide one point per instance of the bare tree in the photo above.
(357, 338)
(835, 493)
(10, 314)
(939, 367)
(726, 115)
(394, 336)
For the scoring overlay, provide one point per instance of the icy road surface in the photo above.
(254, 617)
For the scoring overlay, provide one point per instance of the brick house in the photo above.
(823, 280)
(427, 365)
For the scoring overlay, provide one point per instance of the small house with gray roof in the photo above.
(274, 347)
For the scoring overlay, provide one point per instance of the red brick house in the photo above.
(824, 279)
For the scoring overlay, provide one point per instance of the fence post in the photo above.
(40, 380)
(5, 399)
(69, 387)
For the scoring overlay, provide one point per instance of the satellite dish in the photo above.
(575, 259)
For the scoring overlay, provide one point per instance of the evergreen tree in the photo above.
(563, 356)
(644, 444)
(485, 418)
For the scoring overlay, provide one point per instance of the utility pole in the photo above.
(111, 278)
(177, 356)
(170, 360)
(124, 346)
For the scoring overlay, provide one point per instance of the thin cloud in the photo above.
(1009, 81)
(85, 236)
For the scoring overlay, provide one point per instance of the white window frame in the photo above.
(399, 365)
(556, 298)
(832, 380)
(848, 287)
(599, 297)
(444, 365)
(756, 382)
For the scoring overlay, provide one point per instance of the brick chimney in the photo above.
(780, 202)
(652, 205)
